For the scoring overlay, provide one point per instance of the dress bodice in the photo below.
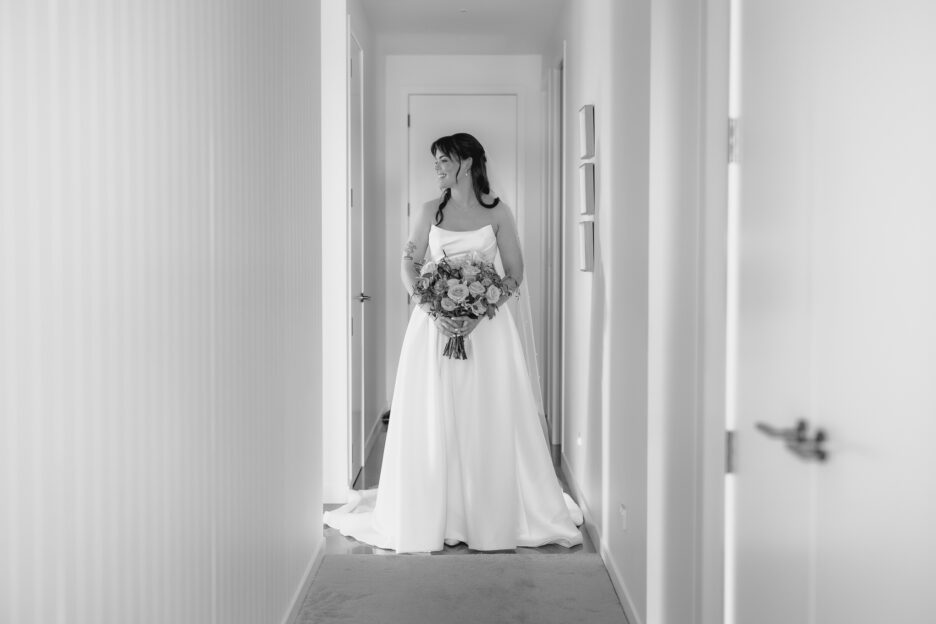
(452, 244)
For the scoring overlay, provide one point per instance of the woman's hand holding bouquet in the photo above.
(459, 292)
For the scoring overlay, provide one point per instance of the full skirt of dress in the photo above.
(465, 457)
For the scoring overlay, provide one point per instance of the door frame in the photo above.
(554, 194)
(520, 213)
(407, 74)
(336, 311)
(713, 317)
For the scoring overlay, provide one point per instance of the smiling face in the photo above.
(447, 168)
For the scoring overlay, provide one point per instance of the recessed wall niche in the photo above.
(587, 189)
(587, 131)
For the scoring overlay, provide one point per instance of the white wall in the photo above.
(631, 328)
(605, 312)
(159, 305)
(520, 74)
(674, 311)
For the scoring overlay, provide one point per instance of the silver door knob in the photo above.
(798, 441)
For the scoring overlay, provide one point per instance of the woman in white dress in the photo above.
(465, 458)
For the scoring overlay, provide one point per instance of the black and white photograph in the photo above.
(450, 312)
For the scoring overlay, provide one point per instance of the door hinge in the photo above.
(407, 209)
(407, 120)
(732, 139)
(729, 451)
(351, 190)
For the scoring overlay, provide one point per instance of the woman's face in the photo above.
(446, 169)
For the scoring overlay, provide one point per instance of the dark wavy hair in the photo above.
(461, 146)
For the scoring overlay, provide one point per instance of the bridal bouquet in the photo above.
(462, 286)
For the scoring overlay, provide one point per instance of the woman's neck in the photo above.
(463, 194)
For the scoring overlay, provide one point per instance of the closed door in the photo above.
(359, 298)
(836, 313)
(492, 119)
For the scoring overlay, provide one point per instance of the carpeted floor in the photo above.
(481, 589)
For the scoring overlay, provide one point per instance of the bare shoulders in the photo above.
(431, 206)
(501, 210)
(496, 216)
(501, 215)
(427, 212)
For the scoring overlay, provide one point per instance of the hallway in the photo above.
(546, 585)
(727, 221)
(626, 428)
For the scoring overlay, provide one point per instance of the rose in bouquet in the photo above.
(465, 286)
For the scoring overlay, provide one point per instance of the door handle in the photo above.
(362, 298)
(798, 440)
(794, 435)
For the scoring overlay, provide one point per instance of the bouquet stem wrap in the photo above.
(455, 348)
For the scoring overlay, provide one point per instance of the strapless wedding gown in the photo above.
(465, 458)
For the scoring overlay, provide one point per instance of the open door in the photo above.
(836, 313)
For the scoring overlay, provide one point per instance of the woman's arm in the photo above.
(413, 254)
(415, 249)
(508, 243)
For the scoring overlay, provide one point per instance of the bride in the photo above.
(465, 457)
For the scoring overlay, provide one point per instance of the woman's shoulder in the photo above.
(432, 204)
(428, 210)
(501, 211)
(502, 217)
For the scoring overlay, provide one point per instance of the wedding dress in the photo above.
(465, 458)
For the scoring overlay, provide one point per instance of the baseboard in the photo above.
(309, 576)
(617, 579)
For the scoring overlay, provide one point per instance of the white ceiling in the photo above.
(510, 25)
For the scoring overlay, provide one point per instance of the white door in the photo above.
(356, 250)
(836, 312)
(492, 119)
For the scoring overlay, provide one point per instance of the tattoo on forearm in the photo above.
(409, 250)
